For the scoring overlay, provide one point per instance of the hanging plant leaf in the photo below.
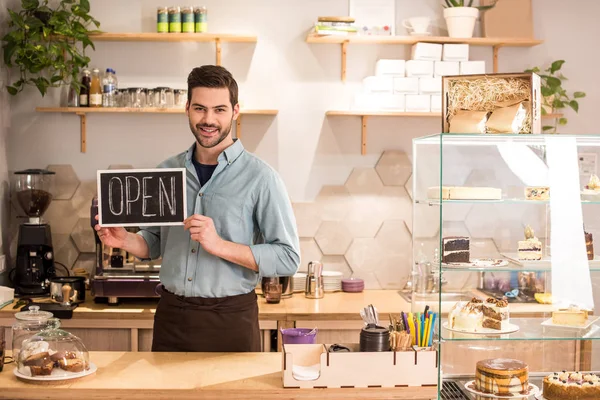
(562, 121)
(547, 128)
(574, 105)
(553, 82)
(578, 95)
(556, 65)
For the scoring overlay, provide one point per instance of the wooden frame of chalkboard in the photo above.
(144, 197)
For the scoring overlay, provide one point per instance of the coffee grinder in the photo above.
(35, 257)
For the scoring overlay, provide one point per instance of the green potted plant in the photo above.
(460, 18)
(47, 45)
(555, 97)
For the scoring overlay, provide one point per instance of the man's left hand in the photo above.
(202, 230)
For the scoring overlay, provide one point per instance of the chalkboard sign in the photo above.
(141, 197)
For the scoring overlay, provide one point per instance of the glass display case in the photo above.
(503, 248)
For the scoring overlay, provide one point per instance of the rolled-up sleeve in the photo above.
(279, 255)
(151, 235)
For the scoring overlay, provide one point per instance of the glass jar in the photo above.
(175, 19)
(162, 19)
(201, 19)
(53, 353)
(180, 98)
(137, 97)
(150, 98)
(164, 97)
(187, 19)
(28, 324)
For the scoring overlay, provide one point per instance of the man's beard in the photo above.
(208, 143)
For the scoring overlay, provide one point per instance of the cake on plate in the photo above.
(502, 377)
(593, 185)
(475, 315)
(495, 314)
(572, 316)
(531, 247)
(589, 245)
(464, 193)
(571, 385)
(455, 249)
(537, 193)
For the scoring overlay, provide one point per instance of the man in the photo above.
(240, 226)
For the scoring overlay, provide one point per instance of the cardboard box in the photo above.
(436, 103)
(378, 84)
(455, 52)
(446, 68)
(419, 68)
(508, 19)
(418, 103)
(430, 85)
(357, 369)
(531, 80)
(426, 51)
(472, 68)
(407, 85)
(390, 68)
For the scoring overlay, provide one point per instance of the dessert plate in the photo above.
(63, 377)
(479, 263)
(510, 328)
(589, 323)
(533, 391)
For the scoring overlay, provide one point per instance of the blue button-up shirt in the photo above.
(249, 205)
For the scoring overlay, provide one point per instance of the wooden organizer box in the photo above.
(359, 369)
(535, 95)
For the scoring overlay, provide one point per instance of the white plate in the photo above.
(67, 376)
(510, 328)
(479, 263)
(533, 391)
(545, 262)
(548, 322)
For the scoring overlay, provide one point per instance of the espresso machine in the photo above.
(34, 267)
(118, 274)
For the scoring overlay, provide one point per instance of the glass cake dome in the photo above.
(53, 353)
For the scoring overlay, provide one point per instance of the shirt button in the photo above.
(200, 194)
(189, 279)
(193, 250)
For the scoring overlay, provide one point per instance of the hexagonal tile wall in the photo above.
(86, 261)
(409, 186)
(120, 166)
(61, 216)
(65, 181)
(309, 251)
(333, 203)
(83, 236)
(394, 168)
(333, 238)
(66, 255)
(364, 181)
(82, 199)
(365, 255)
(307, 218)
(337, 263)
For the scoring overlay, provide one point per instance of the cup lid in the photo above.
(34, 314)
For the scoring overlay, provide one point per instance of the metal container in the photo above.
(67, 290)
(314, 281)
(287, 288)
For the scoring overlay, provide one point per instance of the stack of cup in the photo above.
(353, 285)
(374, 338)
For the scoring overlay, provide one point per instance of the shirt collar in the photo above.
(229, 155)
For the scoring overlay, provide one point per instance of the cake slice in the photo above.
(495, 314)
(456, 249)
(572, 316)
(537, 193)
(531, 247)
(589, 245)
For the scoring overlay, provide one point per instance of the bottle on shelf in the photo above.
(201, 19)
(95, 89)
(109, 85)
(84, 92)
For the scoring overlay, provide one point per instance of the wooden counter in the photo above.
(123, 375)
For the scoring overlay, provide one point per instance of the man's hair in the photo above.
(213, 76)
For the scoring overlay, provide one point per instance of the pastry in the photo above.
(35, 348)
(464, 193)
(495, 314)
(503, 377)
(66, 355)
(71, 365)
(589, 245)
(571, 385)
(455, 249)
(531, 247)
(537, 193)
(36, 359)
(572, 316)
(593, 184)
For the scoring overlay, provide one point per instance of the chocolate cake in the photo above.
(456, 249)
(503, 377)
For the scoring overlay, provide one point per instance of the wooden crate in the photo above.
(359, 369)
(534, 93)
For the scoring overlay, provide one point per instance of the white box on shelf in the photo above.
(407, 85)
(446, 68)
(393, 102)
(390, 68)
(418, 103)
(378, 84)
(430, 85)
(426, 51)
(436, 103)
(472, 67)
(455, 52)
(419, 68)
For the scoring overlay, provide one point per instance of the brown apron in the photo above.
(225, 324)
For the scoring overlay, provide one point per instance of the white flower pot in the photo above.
(461, 21)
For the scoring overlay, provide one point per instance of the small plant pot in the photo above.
(461, 21)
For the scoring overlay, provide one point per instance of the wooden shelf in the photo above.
(495, 43)
(364, 114)
(83, 111)
(217, 38)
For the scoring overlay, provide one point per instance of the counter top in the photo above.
(334, 306)
(190, 376)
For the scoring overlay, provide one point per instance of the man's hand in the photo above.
(113, 236)
(202, 230)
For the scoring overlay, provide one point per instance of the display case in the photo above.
(503, 248)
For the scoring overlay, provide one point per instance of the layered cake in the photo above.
(502, 377)
(537, 193)
(572, 316)
(531, 247)
(464, 193)
(589, 245)
(495, 314)
(571, 385)
(455, 249)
